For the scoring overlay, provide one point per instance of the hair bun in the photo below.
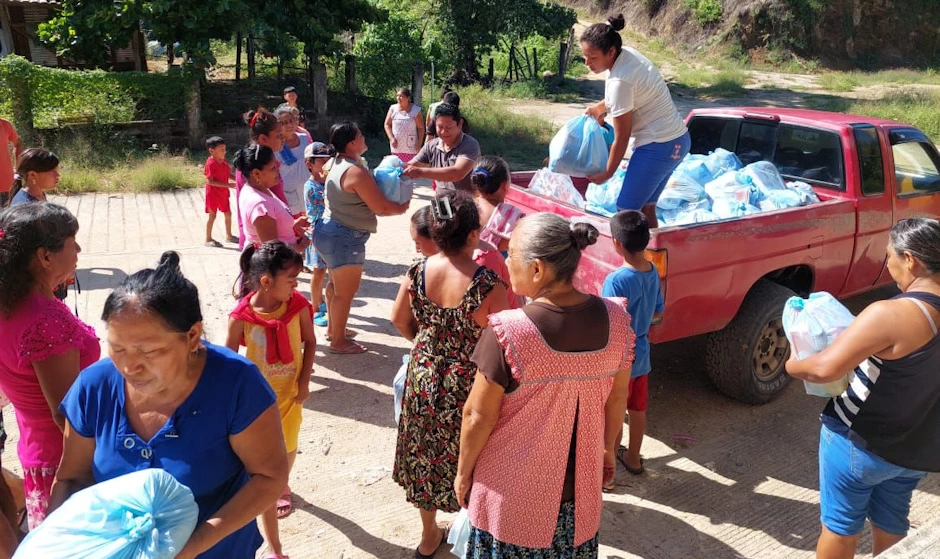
(169, 260)
(617, 22)
(583, 235)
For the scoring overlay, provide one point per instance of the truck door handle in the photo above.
(816, 247)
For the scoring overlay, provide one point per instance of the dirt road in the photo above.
(725, 480)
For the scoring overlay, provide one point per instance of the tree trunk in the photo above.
(280, 69)
(489, 73)
(562, 60)
(194, 115)
(170, 55)
(238, 56)
(535, 61)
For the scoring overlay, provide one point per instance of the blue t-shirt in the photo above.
(644, 299)
(23, 197)
(193, 446)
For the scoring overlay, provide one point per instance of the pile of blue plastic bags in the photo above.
(717, 186)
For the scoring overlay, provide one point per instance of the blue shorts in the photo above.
(649, 170)
(340, 246)
(855, 484)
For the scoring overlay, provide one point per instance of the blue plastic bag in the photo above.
(602, 198)
(694, 166)
(765, 175)
(811, 325)
(141, 515)
(736, 185)
(780, 199)
(688, 217)
(721, 161)
(394, 186)
(579, 149)
(398, 384)
(726, 208)
(806, 192)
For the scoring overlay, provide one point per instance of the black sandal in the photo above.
(621, 457)
(444, 533)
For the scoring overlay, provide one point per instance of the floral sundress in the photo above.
(440, 375)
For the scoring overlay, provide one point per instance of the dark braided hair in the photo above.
(271, 258)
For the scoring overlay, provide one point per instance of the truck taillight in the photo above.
(659, 259)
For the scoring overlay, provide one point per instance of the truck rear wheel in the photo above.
(746, 359)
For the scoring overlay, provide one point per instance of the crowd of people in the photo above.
(517, 383)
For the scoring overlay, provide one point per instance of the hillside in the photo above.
(842, 34)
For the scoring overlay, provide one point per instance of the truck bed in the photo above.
(703, 258)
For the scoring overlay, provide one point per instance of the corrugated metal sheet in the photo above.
(30, 3)
(34, 15)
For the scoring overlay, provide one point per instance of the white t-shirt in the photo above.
(294, 176)
(634, 84)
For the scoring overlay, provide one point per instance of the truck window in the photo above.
(709, 134)
(810, 155)
(870, 162)
(916, 168)
(756, 142)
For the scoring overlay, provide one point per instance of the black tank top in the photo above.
(892, 407)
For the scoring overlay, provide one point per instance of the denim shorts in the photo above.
(855, 484)
(339, 245)
(649, 170)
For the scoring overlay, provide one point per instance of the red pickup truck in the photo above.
(730, 278)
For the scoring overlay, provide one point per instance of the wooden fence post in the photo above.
(489, 72)
(562, 60)
(351, 85)
(417, 83)
(319, 98)
(238, 56)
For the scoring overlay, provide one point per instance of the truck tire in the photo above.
(746, 359)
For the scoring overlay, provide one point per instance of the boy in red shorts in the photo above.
(218, 183)
(638, 281)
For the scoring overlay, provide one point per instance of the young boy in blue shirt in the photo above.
(638, 281)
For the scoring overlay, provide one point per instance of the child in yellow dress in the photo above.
(274, 322)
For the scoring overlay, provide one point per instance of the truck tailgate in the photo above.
(710, 265)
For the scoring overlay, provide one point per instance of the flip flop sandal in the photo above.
(275, 556)
(445, 530)
(352, 349)
(322, 321)
(284, 506)
(622, 458)
(350, 334)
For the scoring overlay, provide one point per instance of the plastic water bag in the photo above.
(602, 198)
(556, 186)
(579, 148)
(399, 384)
(721, 161)
(765, 175)
(811, 325)
(459, 534)
(141, 515)
(694, 166)
(396, 187)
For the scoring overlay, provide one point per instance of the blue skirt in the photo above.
(482, 545)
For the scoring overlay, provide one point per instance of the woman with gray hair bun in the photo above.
(538, 438)
(881, 436)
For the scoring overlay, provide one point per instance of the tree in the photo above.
(475, 27)
(83, 27)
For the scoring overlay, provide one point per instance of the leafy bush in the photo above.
(59, 96)
(705, 12)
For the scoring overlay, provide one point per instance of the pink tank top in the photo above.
(519, 477)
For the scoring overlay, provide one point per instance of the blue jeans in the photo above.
(649, 170)
(855, 484)
(339, 245)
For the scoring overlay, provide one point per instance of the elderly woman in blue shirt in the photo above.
(165, 399)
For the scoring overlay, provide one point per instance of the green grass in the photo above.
(916, 108)
(726, 82)
(848, 81)
(521, 140)
(568, 91)
(102, 162)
